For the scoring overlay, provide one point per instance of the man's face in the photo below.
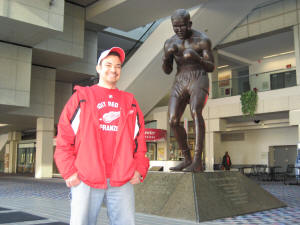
(181, 27)
(110, 70)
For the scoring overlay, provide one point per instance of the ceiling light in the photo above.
(282, 53)
(219, 67)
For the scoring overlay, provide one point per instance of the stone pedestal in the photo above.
(202, 196)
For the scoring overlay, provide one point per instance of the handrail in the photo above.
(256, 74)
(95, 79)
(259, 81)
(139, 40)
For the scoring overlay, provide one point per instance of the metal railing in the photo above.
(129, 53)
(265, 81)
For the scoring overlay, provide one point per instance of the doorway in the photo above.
(282, 156)
(152, 150)
(26, 158)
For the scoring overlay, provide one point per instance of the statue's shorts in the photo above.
(190, 84)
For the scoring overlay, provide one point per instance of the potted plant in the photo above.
(249, 102)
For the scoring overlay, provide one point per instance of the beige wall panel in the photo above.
(253, 150)
(22, 97)
(268, 65)
(232, 109)
(254, 29)
(71, 41)
(224, 110)
(270, 101)
(254, 16)
(41, 93)
(63, 92)
(259, 106)
(276, 104)
(289, 5)
(57, 7)
(78, 31)
(271, 10)
(8, 74)
(56, 21)
(7, 97)
(294, 117)
(266, 19)
(273, 23)
(294, 102)
(28, 14)
(162, 120)
(74, 11)
(290, 19)
(213, 125)
(213, 111)
(86, 65)
(22, 81)
(35, 12)
(15, 74)
(241, 32)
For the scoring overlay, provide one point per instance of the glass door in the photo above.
(151, 150)
(26, 158)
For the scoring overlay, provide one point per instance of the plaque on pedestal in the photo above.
(202, 196)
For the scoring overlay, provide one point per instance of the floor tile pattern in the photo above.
(49, 198)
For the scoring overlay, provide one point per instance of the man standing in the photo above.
(192, 53)
(100, 146)
(226, 162)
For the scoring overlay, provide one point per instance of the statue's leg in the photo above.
(176, 108)
(197, 103)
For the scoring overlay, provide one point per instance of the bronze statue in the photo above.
(192, 53)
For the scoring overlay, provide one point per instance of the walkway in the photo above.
(45, 201)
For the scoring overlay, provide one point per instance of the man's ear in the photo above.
(98, 68)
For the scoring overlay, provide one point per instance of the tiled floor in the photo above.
(49, 198)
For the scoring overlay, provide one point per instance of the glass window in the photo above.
(283, 79)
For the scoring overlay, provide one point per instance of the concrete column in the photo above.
(6, 159)
(294, 120)
(213, 77)
(44, 148)
(212, 140)
(296, 30)
(10, 157)
(298, 133)
(162, 123)
(209, 151)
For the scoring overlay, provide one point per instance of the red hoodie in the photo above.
(79, 146)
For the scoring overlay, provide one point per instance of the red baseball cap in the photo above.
(118, 50)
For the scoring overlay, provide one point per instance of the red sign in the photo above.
(155, 134)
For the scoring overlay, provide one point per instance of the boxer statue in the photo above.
(192, 53)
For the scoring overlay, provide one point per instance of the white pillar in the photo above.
(296, 30)
(44, 148)
(298, 133)
(6, 159)
(213, 77)
(162, 123)
(209, 151)
(10, 156)
(212, 140)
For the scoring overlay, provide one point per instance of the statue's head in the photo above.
(181, 22)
